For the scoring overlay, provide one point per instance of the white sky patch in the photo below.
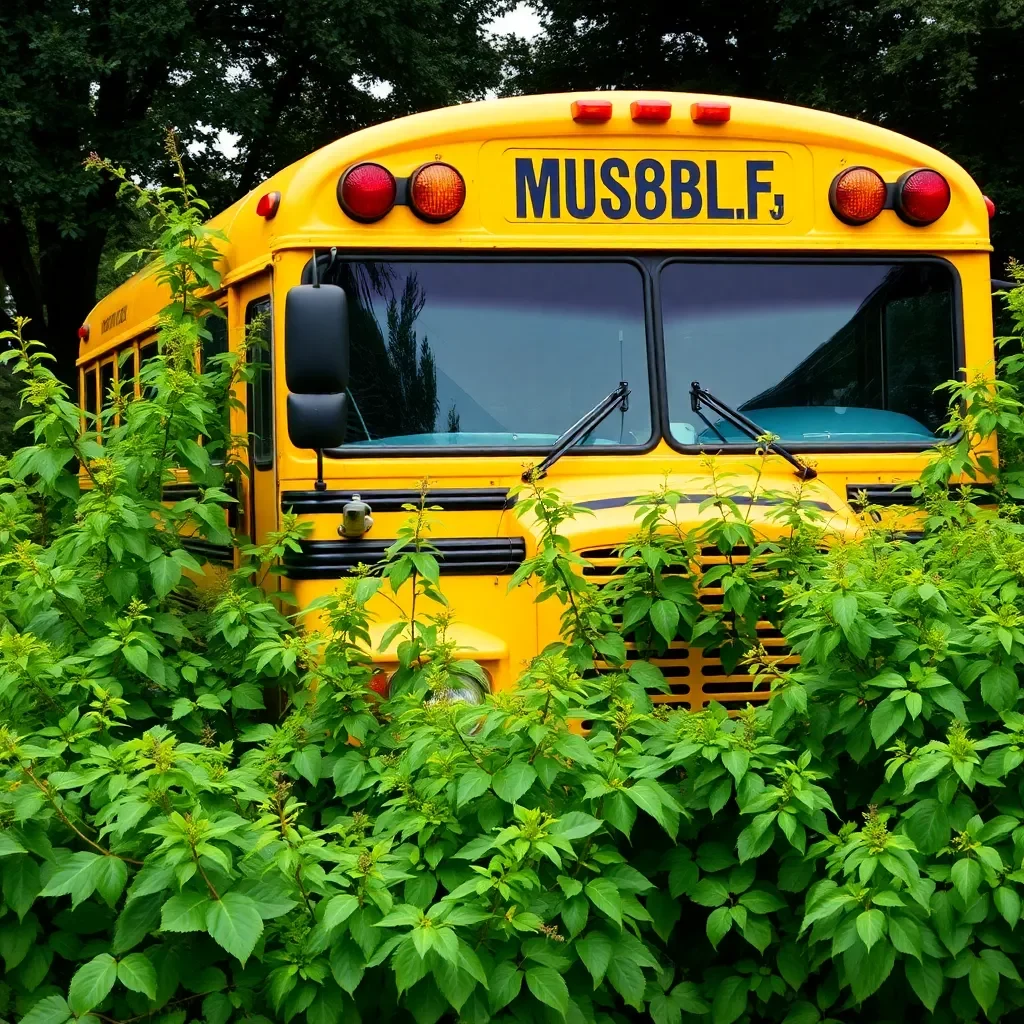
(521, 21)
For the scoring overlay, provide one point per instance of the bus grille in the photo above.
(695, 675)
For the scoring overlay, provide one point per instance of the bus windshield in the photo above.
(491, 353)
(816, 353)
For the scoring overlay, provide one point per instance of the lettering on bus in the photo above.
(671, 189)
(115, 319)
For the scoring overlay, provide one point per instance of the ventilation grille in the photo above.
(695, 675)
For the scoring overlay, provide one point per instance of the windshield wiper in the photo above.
(619, 398)
(699, 397)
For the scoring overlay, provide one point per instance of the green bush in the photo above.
(205, 812)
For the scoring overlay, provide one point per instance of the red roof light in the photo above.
(990, 206)
(650, 110)
(367, 192)
(710, 113)
(592, 110)
(268, 204)
(922, 196)
(83, 332)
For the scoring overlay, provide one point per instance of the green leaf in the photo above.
(870, 926)
(802, 1013)
(92, 983)
(347, 965)
(604, 894)
(999, 689)
(340, 908)
(513, 781)
(548, 987)
(983, 979)
(51, 1010)
(736, 762)
(665, 619)
(649, 796)
(137, 973)
(758, 901)
(575, 825)
(77, 878)
(575, 914)
(927, 824)
(792, 964)
(866, 968)
(21, 883)
(844, 610)
(595, 950)
(307, 763)
(886, 719)
(1007, 902)
(235, 924)
(966, 877)
(9, 845)
(730, 1000)
(110, 874)
(138, 918)
(217, 1008)
(719, 924)
(709, 892)
(628, 980)
(471, 785)
(926, 981)
(247, 697)
(505, 982)
(166, 574)
(185, 913)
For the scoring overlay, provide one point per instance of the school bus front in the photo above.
(683, 267)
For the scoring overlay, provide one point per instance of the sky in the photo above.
(521, 21)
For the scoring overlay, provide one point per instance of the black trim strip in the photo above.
(897, 494)
(696, 499)
(454, 499)
(459, 556)
(215, 554)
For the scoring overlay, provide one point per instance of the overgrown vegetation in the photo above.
(206, 813)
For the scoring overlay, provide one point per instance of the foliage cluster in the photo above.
(205, 812)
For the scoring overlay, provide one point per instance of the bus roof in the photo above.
(501, 147)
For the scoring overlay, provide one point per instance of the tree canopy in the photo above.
(111, 75)
(281, 79)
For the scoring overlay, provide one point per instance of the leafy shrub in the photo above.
(205, 813)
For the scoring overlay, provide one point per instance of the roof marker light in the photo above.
(436, 191)
(83, 332)
(594, 111)
(705, 112)
(367, 192)
(268, 204)
(990, 206)
(650, 110)
(922, 196)
(857, 195)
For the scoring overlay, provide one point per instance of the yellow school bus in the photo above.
(606, 285)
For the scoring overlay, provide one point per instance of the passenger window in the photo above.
(260, 404)
(217, 343)
(106, 383)
(89, 398)
(146, 353)
(129, 370)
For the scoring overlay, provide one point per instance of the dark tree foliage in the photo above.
(109, 75)
(943, 71)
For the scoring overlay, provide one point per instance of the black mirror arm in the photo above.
(319, 484)
(699, 396)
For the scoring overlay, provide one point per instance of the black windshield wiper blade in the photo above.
(579, 430)
(699, 397)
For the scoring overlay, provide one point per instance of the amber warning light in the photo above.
(436, 191)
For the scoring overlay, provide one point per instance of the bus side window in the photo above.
(260, 404)
(89, 399)
(106, 382)
(147, 352)
(128, 370)
(217, 343)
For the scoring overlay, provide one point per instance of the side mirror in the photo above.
(316, 349)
